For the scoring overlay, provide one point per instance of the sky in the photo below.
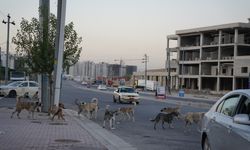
(128, 29)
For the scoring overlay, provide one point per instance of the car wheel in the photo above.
(12, 94)
(206, 145)
(114, 100)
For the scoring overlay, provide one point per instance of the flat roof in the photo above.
(215, 27)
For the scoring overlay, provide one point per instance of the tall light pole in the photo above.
(145, 60)
(61, 12)
(169, 76)
(7, 49)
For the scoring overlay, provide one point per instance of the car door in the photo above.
(220, 123)
(240, 133)
(22, 88)
(116, 93)
(33, 88)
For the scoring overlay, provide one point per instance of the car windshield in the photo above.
(14, 83)
(127, 90)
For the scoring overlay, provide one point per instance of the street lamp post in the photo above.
(7, 49)
(145, 60)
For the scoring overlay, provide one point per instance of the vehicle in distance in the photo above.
(18, 88)
(227, 125)
(125, 94)
(102, 87)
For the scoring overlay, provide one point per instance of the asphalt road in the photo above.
(140, 133)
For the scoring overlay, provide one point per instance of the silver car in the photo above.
(125, 94)
(226, 126)
(19, 88)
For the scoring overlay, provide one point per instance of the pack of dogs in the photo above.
(90, 109)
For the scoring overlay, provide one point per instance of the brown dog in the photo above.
(57, 111)
(90, 108)
(193, 117)
(25, 103)
(127, 111)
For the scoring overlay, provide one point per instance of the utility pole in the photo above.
(61, 12)
(169, 76)
(145, 60)
(7, 49)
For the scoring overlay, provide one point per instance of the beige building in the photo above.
(214, 58)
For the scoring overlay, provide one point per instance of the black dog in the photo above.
(165, 118)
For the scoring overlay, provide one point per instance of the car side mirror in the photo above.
(242, 119)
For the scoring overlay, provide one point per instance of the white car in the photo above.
(126, 94)
(19, 88)
(102, 87)
(226, 126)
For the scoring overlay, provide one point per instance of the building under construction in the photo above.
(214, 58)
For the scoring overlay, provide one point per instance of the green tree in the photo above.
(38, 53)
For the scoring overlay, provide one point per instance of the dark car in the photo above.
(226, 126)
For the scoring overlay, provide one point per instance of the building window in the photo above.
(244, 69)
(224, 71)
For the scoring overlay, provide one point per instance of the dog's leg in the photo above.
(79, 112)
(162, 124)
(133, 115)
(18, 112)
(171, 125)
(13, 113)
(155, 125)
(128, 115)
(104, 122)
(95, 111)
(111, 123)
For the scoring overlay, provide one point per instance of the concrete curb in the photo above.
(108, 139)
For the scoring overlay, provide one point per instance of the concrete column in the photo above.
(236, 33)
(201, 39)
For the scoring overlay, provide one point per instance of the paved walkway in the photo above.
(43, 134)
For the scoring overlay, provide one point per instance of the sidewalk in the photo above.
(43, 134)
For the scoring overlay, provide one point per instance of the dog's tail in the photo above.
(77, 102)
(94, 100)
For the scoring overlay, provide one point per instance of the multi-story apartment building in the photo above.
(215, 58)
(101, 70)
(90, 71)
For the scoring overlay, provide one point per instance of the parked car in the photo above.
(227, 124)
(101, 87)
(125, 94)
(18, 88)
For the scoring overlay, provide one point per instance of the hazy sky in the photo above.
(127, 29)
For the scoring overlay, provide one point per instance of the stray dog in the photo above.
(88, 107)
(109, 116)
(193, 117)
(25, 103)
(56, 111)
(171, 109)
(165, 118)
(127, 111)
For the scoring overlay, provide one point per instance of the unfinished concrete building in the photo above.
(214, 58)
